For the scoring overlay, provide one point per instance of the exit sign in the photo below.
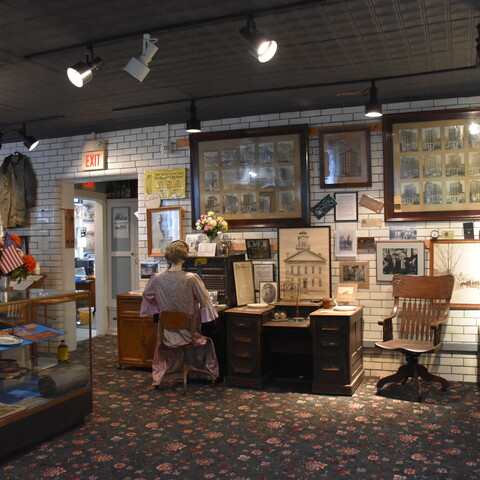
(94, 155)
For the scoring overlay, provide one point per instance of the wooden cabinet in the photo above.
(247, 360)
(136, 336)
(39, 396)
(337, 351)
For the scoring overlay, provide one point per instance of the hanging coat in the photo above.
(18, 188)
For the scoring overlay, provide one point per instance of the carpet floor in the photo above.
(236, 433)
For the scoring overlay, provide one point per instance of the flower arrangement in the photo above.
(211, 225)
(15, 264)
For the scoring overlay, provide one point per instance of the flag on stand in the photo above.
(10, 259)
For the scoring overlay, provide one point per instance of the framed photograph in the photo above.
(207, 249)
(263, 272)
(243, 275)
(88, 211)
(365, 244)
(253, 178)
(399, 257)
(164, 225)
(147, 269)
(460, 258)
(323, 206)
(268, 292)
(346, 243)
(304, 261)
(355, 272)
(346, 209)
(258, 248)
(345, 292)
(345, 157)
(193, 240)
(431, 166)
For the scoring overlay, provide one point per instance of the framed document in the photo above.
(243, 275)
(346, 209)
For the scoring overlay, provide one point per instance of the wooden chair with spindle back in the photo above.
(182, 321)
(421, 305)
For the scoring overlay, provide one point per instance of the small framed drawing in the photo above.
(399, 257)
(354, 272)
(345, 157)
(207, 249)
(345, 292)
(345, 243)
(243, 275)
(268, 292)
(257, 248)
(346, 209)
(263, 272)
(164, 225)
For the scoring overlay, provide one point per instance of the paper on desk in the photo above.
(24, 284)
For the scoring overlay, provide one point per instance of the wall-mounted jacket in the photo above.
(18, 188)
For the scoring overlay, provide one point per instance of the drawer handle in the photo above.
(331, 369)
(241, 324)
(329, 344)
(243, 355)
(243, 339)
(330, 329)
(242, 370)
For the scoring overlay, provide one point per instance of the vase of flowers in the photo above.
(211, 225)
(14, 263)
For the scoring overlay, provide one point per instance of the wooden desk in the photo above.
(329, 345)
(88, 285)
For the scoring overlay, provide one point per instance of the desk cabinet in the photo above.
(136, 336)
(247, 359)
(39, 397)
(337, 351)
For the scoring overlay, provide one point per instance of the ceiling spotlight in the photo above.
(29, 141)
(193, 123)
(138, 67)
(82, 72)
(474, 128)
(373, 108)
(261, 47)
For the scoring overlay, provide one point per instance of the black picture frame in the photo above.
(253, 177)
(258, 248)
(346, 209)
(321, 208)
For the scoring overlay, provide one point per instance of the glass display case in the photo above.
(42, 390)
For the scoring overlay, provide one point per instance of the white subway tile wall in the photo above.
(131, 152)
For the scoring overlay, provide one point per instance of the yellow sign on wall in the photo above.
(167, 183)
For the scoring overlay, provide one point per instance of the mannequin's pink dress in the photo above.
(180, 291)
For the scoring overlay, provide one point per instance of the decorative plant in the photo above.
(211, 225)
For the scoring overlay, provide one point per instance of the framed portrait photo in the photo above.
(460, 258)
(164, 225)
(346, 243)
(304, 263)
(268, 292)
(431, 166)
(253, 178)
(258, 248)
(355, 272)
(404, 257)
(345, 157)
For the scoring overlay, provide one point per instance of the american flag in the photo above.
(9, 259)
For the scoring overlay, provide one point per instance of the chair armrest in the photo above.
(387, 328)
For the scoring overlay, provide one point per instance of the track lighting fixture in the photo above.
(29, 141)
(193, 123)
(138, 67)
(373, 108)
(261, 47)
(82, 72)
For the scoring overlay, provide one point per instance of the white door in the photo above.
(122, 250)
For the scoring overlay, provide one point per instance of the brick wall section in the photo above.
(130, 152)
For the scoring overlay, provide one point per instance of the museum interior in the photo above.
(319, 160)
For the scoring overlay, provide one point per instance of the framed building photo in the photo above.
(304, 261)
(164, 225)
(268, 292)
(345, 157)
(460, 258)
(431, 166)
(258, 248)
(253, 178)
(355, 272)
(399, 257)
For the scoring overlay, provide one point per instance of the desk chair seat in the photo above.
(421, 304)
(174, 320)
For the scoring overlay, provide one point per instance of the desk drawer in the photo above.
(243, 368)
(237, 323)
(330, 326)
(329, 343)
(239, 338)
(330, 368)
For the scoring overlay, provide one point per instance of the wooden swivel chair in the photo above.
(177, 321)
(421, 304)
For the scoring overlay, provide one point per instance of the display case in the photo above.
(42, 391)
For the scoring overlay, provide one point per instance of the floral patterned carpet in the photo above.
(232, 433)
